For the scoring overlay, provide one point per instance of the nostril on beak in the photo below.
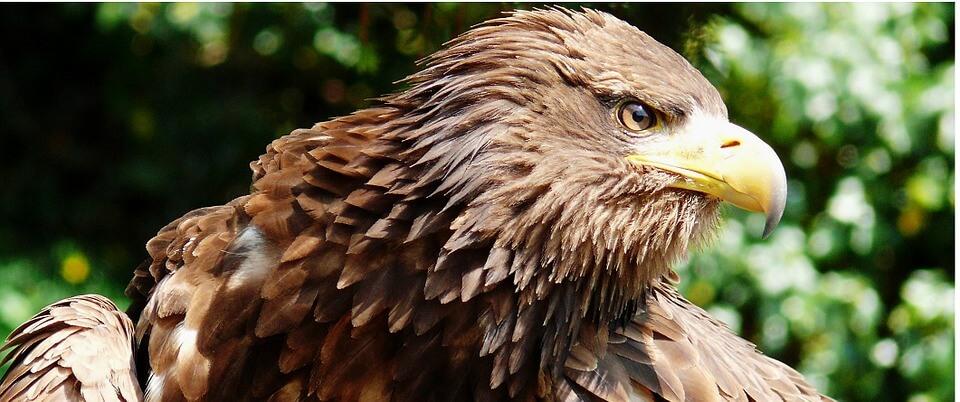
(732, 143)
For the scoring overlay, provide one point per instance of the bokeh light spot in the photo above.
(75, 268)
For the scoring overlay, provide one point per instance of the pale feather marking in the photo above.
(257, 263)
(154, 388)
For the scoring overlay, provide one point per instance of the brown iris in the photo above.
(636, 116)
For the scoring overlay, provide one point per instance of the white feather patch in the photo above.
(186, 339)
(258, 261)
(154, 389)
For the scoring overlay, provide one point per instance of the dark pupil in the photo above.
(639, 115)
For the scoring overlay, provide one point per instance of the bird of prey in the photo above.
(501, 229)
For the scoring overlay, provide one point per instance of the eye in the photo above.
(636, 116)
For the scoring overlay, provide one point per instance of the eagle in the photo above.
(504, 228)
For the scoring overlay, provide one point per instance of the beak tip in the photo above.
(775, 214)
(775, 211)
(768, 228)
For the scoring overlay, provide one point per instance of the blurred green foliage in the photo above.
(118, 118)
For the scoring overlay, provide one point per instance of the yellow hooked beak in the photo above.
(722, 159)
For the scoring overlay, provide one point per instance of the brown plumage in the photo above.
(75, 349)
(496, 231)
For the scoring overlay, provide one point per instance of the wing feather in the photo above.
(77, 349)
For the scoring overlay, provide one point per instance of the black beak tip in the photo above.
(773, 219)
(776, 208)
(768, 229)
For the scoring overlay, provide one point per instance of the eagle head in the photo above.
(580, 139)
